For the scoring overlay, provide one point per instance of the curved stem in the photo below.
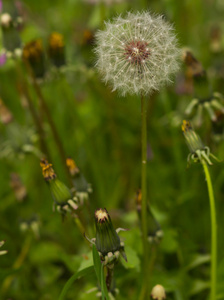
(144, 195)
(213, 231)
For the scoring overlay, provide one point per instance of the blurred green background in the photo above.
(101, 132)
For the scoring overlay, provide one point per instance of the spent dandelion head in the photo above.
(138, 53)
(56, 49)
(33, 56)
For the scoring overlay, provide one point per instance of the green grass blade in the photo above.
(72, 279)
(103, 285)
(98, 266)
(97, 263)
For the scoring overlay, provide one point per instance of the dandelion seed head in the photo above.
(138, 53)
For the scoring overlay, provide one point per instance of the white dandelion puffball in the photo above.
(138, 53)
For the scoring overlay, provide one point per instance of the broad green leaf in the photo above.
(199, 286)
(72, 279)
(133, 259)
(199, 260)
(87, 261)
(169, 242)
(45, 252)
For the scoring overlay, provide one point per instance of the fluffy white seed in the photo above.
(138, 53)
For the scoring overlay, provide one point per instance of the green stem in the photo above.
(110, 278)
(54, 131)
(23, 89)
(144, 195)
(213, 231)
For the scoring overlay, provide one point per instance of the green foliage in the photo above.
(48, 258)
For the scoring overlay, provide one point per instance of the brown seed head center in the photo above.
(137, 52)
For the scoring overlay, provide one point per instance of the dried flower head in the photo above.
(33, 55)
(47, 170)
(56, 49)
(82, 188)
(138, 53)
(72, 167)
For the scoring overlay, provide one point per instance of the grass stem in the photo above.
(213, 231)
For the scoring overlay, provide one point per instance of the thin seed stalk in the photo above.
(213, 231)
(144, 192)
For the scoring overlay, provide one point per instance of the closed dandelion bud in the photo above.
(107, 239)
(195, 68)
(33, 56)
(158, 292)
(198, 74)
(11, 39)
(72, 167)
(56, 49)
(82, 187)
(59, 191)
(198, 151)
(192, 139)
(137, 54)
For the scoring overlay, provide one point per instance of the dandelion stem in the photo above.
(144, 191)
(23, 90)
(53, 127)
(109, 278)
(213, 230)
